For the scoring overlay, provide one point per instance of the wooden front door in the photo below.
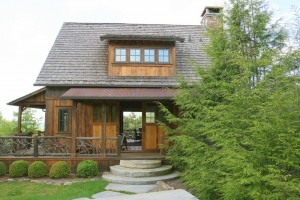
(150, 128)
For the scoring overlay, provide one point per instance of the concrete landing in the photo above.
(171, 194)
(106, 194)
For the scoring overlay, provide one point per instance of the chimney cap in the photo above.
(220, 8)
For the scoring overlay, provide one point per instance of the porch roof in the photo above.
(35, 99)
(120, 93)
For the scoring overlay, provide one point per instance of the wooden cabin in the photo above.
(95, 72)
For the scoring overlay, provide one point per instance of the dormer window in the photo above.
(141, 55)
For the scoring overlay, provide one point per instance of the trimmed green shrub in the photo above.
(87, 168)
(59, 169)
(37, 169)
(18, 168)
(2, 168)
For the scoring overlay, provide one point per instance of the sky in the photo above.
(28, 29)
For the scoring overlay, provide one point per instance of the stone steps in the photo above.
(138, 180)
(140, 172)
(131, 172)
(141, 164)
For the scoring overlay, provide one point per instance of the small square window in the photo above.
(135, 55)
(120, 55)
(164, 55)
(64, 120)
(149, 55)
(150, 117)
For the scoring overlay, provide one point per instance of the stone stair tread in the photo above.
(143, 164)
(130, 172)
(138, 180)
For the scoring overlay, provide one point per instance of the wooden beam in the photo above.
(74, 129)
(103, 107)
(19, 128)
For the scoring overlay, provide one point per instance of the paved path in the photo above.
(114, 192)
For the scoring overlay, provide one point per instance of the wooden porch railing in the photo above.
(56, 146)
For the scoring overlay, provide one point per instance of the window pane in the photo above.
(97, 114)
(135, 55)
(163, 55)
(149, 55)
(63, 117)
(120, 55)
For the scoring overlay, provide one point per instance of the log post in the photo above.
(74, 130)
(35, 145)
(20, 119)
(103, 106)
(120, 143)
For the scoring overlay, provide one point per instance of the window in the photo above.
(97, 114)
(111, 113)
(142, 55)
(150, 113)
(163, 55)
(150, 117)
(64, 120)
(135, 55)
(120, 55)
(149, 55)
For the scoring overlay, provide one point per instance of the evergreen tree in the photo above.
(238, 131)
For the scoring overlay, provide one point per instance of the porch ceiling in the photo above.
(119, 93)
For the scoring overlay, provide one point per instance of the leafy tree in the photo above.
(7, 127)
(30, 123)
(237, 134)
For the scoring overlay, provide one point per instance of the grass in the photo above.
(37, 191)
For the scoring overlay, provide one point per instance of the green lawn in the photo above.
(38, 191)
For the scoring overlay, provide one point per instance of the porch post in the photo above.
(103, 107)
(74, 130)
(21, 109)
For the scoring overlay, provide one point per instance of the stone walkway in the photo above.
(143, 192)
(158, 191)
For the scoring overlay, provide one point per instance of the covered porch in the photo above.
(87, 123)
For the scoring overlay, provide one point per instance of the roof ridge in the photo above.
(113, 23)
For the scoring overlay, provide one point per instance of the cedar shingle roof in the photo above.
(79, 58)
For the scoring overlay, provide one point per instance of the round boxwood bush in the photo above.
(59, 169)
(18, 168)
(37, 169)
(2, 168)
(87, 168)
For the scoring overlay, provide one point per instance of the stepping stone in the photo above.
(84, 198)
(130, 188)
(104, 194)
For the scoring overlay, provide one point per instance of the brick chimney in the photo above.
(210, 16)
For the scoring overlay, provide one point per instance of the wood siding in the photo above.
(52, 107)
